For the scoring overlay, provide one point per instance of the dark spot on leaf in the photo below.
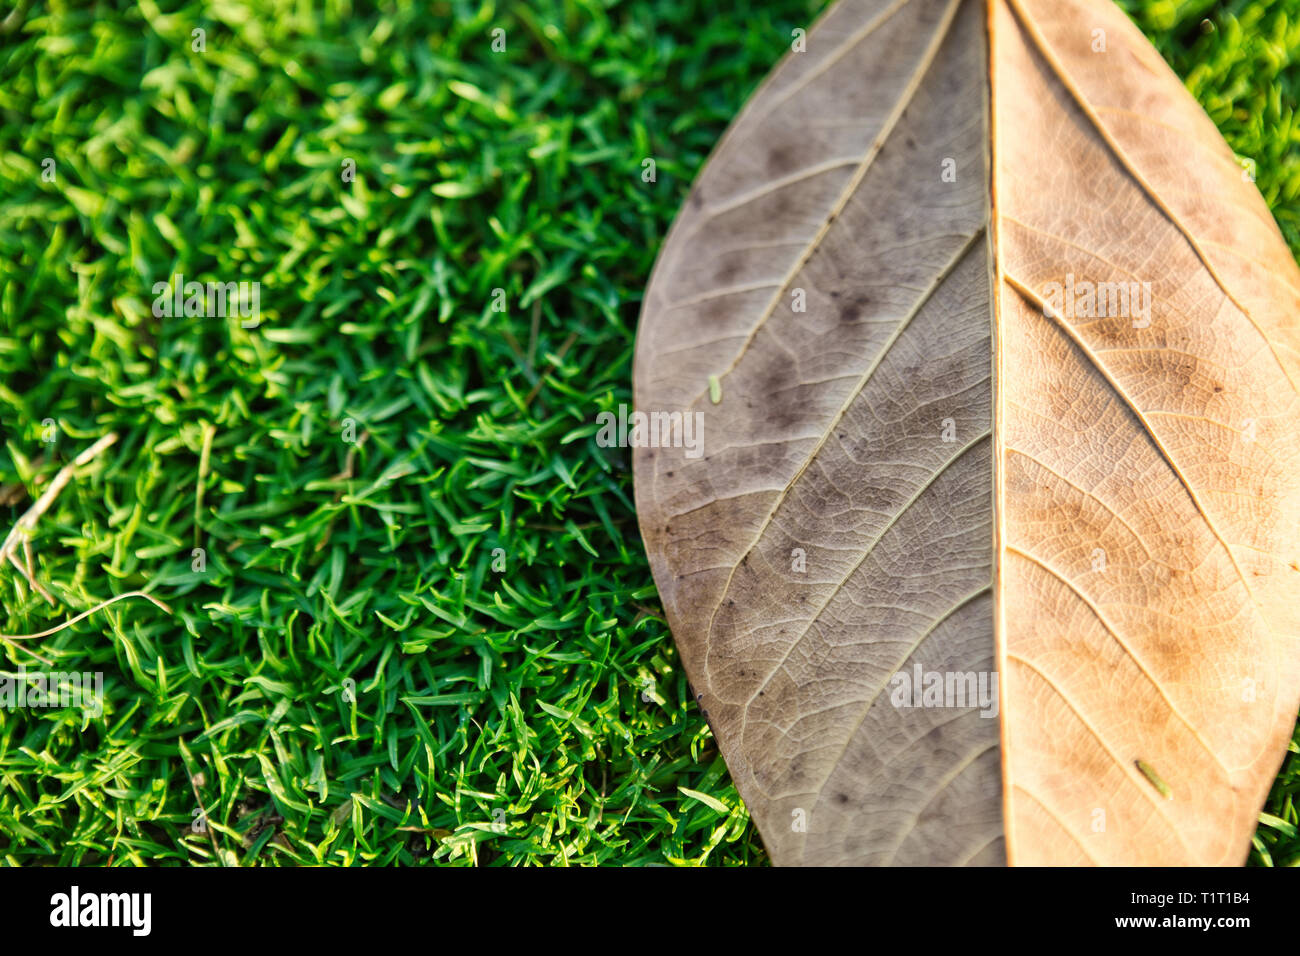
(727, 271)
(782, 160)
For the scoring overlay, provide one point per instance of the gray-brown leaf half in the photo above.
(994, 349)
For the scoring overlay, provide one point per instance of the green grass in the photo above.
(535, 714)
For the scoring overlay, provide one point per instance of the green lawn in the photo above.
(391, 482)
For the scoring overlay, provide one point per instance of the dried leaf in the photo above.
(989, 350)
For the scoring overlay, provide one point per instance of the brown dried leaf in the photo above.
(949, 463)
